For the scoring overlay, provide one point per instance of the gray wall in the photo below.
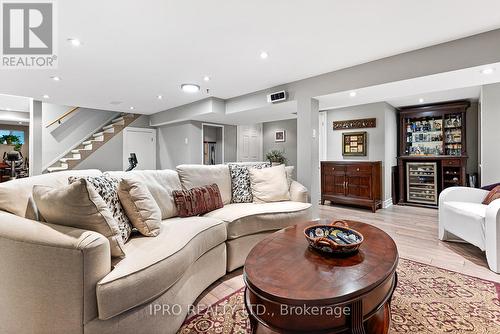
(490, 134)
(472, 137)
(289, 146)
(381, 140)
(109, 156)
(59, 139)
(173, 149)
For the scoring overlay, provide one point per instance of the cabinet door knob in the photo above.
(333, 168)
(357, 169)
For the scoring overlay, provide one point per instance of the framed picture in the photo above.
(279, 136)
(354, 143)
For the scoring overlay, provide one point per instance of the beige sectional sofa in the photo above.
(57, 279)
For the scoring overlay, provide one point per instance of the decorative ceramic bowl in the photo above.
(336, 238)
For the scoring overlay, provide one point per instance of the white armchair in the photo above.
(463, 217)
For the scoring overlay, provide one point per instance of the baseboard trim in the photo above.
(387, 203)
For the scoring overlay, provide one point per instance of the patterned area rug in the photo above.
(427, 300)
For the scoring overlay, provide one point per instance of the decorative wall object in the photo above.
(355, 124)
(279, 136)
(354, 143)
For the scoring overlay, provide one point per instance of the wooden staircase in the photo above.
(91, 144)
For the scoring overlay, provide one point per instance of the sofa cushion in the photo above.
(269, 184)
(107, 188)
(16, 195)
(473, 210)
(160, 184)
(140, 206)
(241, 191)
(199, 175)
(153, 265)
(197, 201)
(249, 218)
(79, 205)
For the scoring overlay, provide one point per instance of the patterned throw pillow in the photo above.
(492, 195)
(107, 187)
(197, 201)
(240, 181)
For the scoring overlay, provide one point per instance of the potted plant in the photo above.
(276, 157)
(9, 139)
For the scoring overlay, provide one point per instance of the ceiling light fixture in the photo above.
(74, 41)
(206, 78)
(132, 108)
(56, 78)
(8, 109)
(420, 100)
(352, 94)
(264, 55)
(488, 70)
(45, 96)
(160, 97)
(190, 88)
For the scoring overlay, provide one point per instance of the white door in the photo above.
(250, 143)
(142, 142)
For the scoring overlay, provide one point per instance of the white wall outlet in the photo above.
(314, 133)
(186, 141)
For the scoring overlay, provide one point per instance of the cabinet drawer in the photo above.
(452, 162)
(331, 168)
(359, 169)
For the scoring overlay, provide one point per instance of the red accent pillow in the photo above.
(197, 201)
(492, 195)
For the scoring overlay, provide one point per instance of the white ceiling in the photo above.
(134, 50)
(467, 93)
(14, 103)
(269, 113)
(454, 85)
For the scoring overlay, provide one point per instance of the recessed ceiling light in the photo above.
(131, 108)
(420, 100)
(56, 78)
(488, 70)
(46, 96)
(160, 97)
(206, 78)
(190, 88)
(352, 94)
(264, 55)
(20, 123)
(74, 41)
(8, 109)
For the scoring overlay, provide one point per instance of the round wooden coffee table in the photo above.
(293, 288)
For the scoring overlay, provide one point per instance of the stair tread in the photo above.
(50, 169)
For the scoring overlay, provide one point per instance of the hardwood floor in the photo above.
(413, 229)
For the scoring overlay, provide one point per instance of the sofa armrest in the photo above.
(462, 194)
(492, 234)
(298, 193)
(48, 275)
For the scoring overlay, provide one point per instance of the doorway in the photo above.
(213, 144)
(142, 142)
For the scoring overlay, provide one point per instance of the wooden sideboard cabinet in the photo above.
(352, 182)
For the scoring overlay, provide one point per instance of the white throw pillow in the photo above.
(269, 184)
